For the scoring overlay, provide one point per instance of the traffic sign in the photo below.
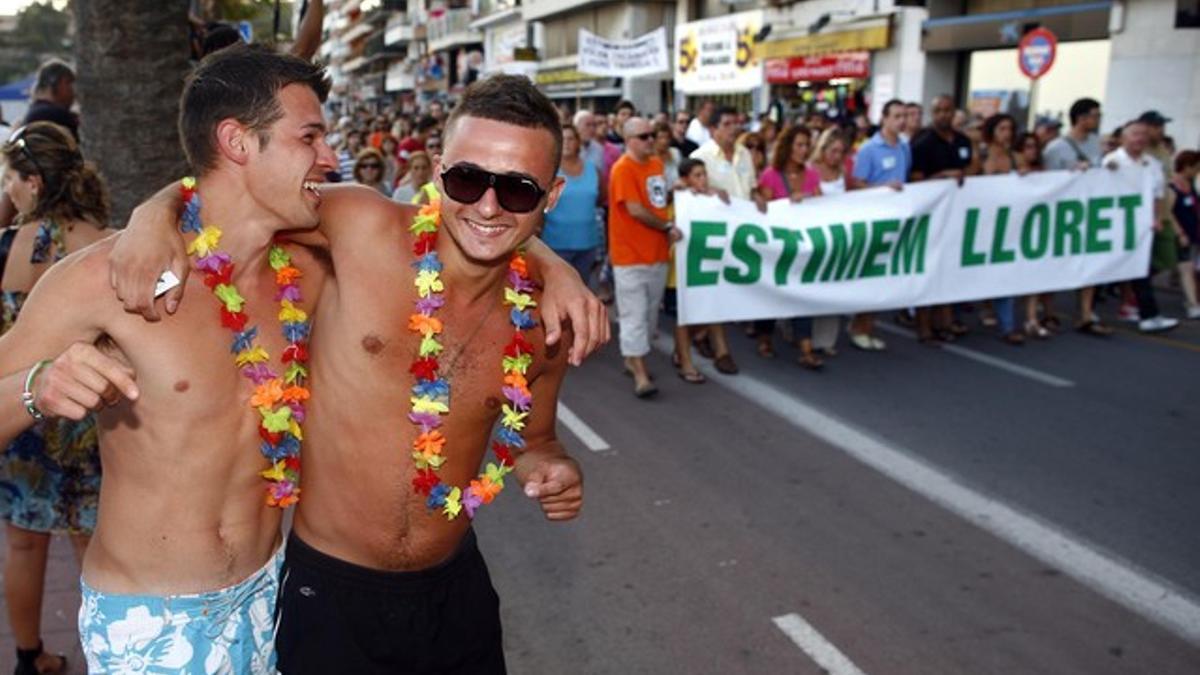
(1036, 52)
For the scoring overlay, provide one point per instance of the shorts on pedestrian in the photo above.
(338, 617)
(230, 630)
(639, 292)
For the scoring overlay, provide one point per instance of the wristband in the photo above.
(27, 393)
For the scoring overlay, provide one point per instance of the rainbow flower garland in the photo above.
(431, 393)
(280, 401)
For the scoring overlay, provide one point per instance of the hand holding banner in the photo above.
(930, 243)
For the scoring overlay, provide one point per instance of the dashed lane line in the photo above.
(820, 650)
(582, 431)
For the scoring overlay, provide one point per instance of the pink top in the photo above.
(775, 185)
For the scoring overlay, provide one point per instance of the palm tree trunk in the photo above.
(131, 57)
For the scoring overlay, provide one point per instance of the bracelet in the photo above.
(27, 393)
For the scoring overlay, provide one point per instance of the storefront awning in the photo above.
(821, 68)
(872, 37)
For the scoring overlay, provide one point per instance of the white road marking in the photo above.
(987, 359)
(815, 645)
(1139, 591)
(582, 431)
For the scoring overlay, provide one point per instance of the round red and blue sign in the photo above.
(1036, 52)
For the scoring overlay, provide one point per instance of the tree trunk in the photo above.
(131, 57)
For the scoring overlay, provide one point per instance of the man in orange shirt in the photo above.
(640, 233)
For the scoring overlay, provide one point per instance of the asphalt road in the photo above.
(717, 511)
(767, 523)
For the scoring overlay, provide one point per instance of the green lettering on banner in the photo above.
(791, 245)
(879, 229)
(969, 257)
(1130, 204)
(1035, 232)
(817, 236)
(1097, 223)
(745, 253)
(999, 253)
(846, 252)
(698, 251)
(910, 245)
(1068, 216)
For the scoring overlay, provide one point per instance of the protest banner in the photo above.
(931, 243)
(645, 55)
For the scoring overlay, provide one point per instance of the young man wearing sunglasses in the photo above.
(367, 560)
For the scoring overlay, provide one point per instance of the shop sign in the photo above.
(567, 76)
(1036, 52)
(871, 38)
(645, 55)
(819, 68)
(718, 55)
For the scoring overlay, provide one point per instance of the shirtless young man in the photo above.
(375, 581)
(181, 574)
(183, 568)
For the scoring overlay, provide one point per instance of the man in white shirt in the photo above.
(1132, 154)
(697, 131)
(730, 168)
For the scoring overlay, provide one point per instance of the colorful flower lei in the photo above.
(280, 401)
(431, 393)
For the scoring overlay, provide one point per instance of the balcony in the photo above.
(451, 29)
(399, 30)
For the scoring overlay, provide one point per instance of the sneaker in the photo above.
(1193, 312)
(861, 341)
(877, 344)
(1157, 324)
(1128, 313)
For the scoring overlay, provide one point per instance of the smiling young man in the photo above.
(182, 572)
(378, 577)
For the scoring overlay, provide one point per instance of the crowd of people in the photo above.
(614, 203)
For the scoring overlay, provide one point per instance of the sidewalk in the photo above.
(60, 607)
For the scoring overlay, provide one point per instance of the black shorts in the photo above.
(337, 617)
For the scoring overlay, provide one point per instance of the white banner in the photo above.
(717, 55)
(645, 55)
(931, 243)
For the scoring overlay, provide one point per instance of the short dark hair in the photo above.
(890, 104)
(1082, 107)
(511, 99)
(51, 73)
(714, 118)
(240, 82)
(1186, 158)
(686, 166)
(425, 123)
(623, 103)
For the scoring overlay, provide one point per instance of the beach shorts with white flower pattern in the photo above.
(231, 630)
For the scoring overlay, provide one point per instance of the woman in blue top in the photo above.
(571, 227)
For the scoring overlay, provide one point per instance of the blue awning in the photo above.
(17, 91)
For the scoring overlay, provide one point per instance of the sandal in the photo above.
(725, 365)
(1015, 339)
(1094, 328)
(702, 347)
(1035, 329)
(1051, 321)
(645, 391)
(692, 376)
(958, 328)
(810, 361)
(27, 662)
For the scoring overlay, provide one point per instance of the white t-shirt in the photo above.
(697, 132)
(834, 187)
(1145, 162)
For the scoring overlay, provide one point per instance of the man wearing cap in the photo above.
(1046, 129)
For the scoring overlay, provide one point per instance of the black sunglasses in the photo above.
(649, 135)
(17, 140)
(468, 184)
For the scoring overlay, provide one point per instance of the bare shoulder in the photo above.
(351, 210)
(80, 283)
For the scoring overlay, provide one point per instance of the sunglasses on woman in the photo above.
(17, 140)
(467, 184)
